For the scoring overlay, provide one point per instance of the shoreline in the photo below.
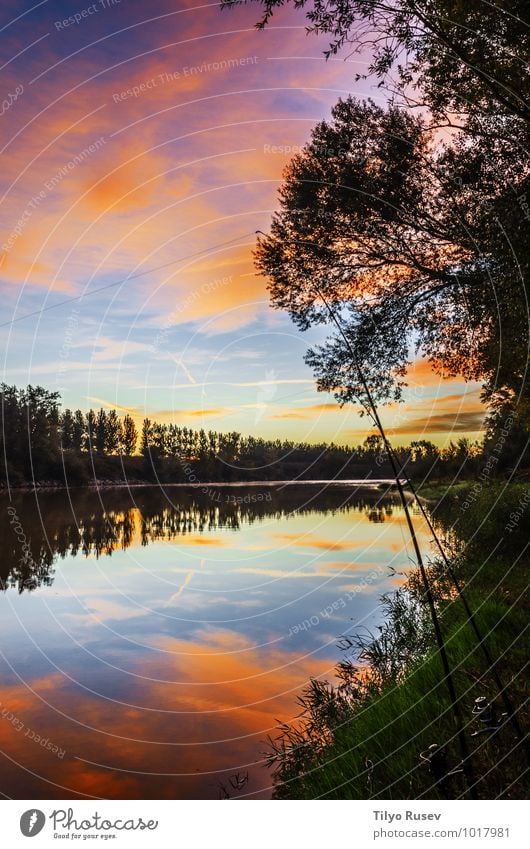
(371, 483)
(369, 721)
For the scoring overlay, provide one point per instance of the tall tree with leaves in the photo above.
(112, 433)
(467, 66)
(67, 430)
(129, 436)
(79, 432)
(91, 430)
(146, 437)
(100, 433)
(401, 237)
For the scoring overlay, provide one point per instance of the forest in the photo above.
(43, 443)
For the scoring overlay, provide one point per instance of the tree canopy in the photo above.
(457, 57)
(412, 221)
(413, 243)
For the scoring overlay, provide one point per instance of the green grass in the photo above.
(407, 708)
(436, 491)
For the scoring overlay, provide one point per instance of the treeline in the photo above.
(41, 442)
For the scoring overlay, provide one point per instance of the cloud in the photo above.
(111, 405)
(219, 383)
(421, 373)
(106, 348)
(183, 413)
(197, 539)
(468, 401)
(186, 712)
(176, 173)
(305, 412)
(277, 382)
(185, 583)
(289, 415)
(443, 423)
(307, 541)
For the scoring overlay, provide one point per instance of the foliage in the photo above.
(415, 239)
(400, 239)
(456, 57)
(40, 442)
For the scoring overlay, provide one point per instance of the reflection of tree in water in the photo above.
(85, 522)
(379, 513)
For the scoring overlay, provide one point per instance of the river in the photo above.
(151, 639)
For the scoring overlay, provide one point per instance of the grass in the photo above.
(436, 491)
(361, 736)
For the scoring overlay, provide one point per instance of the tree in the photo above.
(100, 432)
(30, 432)
(129, 436)
(373, 445)
(67, 430)
(202, 446)
(90, 430)
(467, 66)
(40, 417)
(506, 441)
(112, 433)
(146, 438)
(79, 432)
(403, 239)
(455, 57)
(213, 445)
(159, 439)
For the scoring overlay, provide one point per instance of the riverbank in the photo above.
(436, 491)
(362, 735)
(376, 485)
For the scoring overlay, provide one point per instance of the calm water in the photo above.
(151, 640)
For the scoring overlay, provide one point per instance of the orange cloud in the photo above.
(111, 405)
(197, 539)
(186, 716)
(307, 541)
(421, 373)
(289, 415)
(305, 412)
(463, 422)
(183, 413)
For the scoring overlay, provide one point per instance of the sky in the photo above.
(142, 147)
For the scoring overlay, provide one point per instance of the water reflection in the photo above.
(86, 522)
(155, 638)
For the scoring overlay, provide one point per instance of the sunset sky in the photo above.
(143, 145)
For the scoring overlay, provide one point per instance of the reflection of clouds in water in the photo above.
(325, 544)
(217, 722)
(181, 589)
(193, 653)
(88, 526)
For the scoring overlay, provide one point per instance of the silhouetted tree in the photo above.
(100, 435)
(462, 58)
(112, 433)
(40, 443)
(91, 430)
(79, 432)
(129, 436)
(67, 422)
(146, 437)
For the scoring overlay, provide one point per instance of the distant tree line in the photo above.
(41, 442)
